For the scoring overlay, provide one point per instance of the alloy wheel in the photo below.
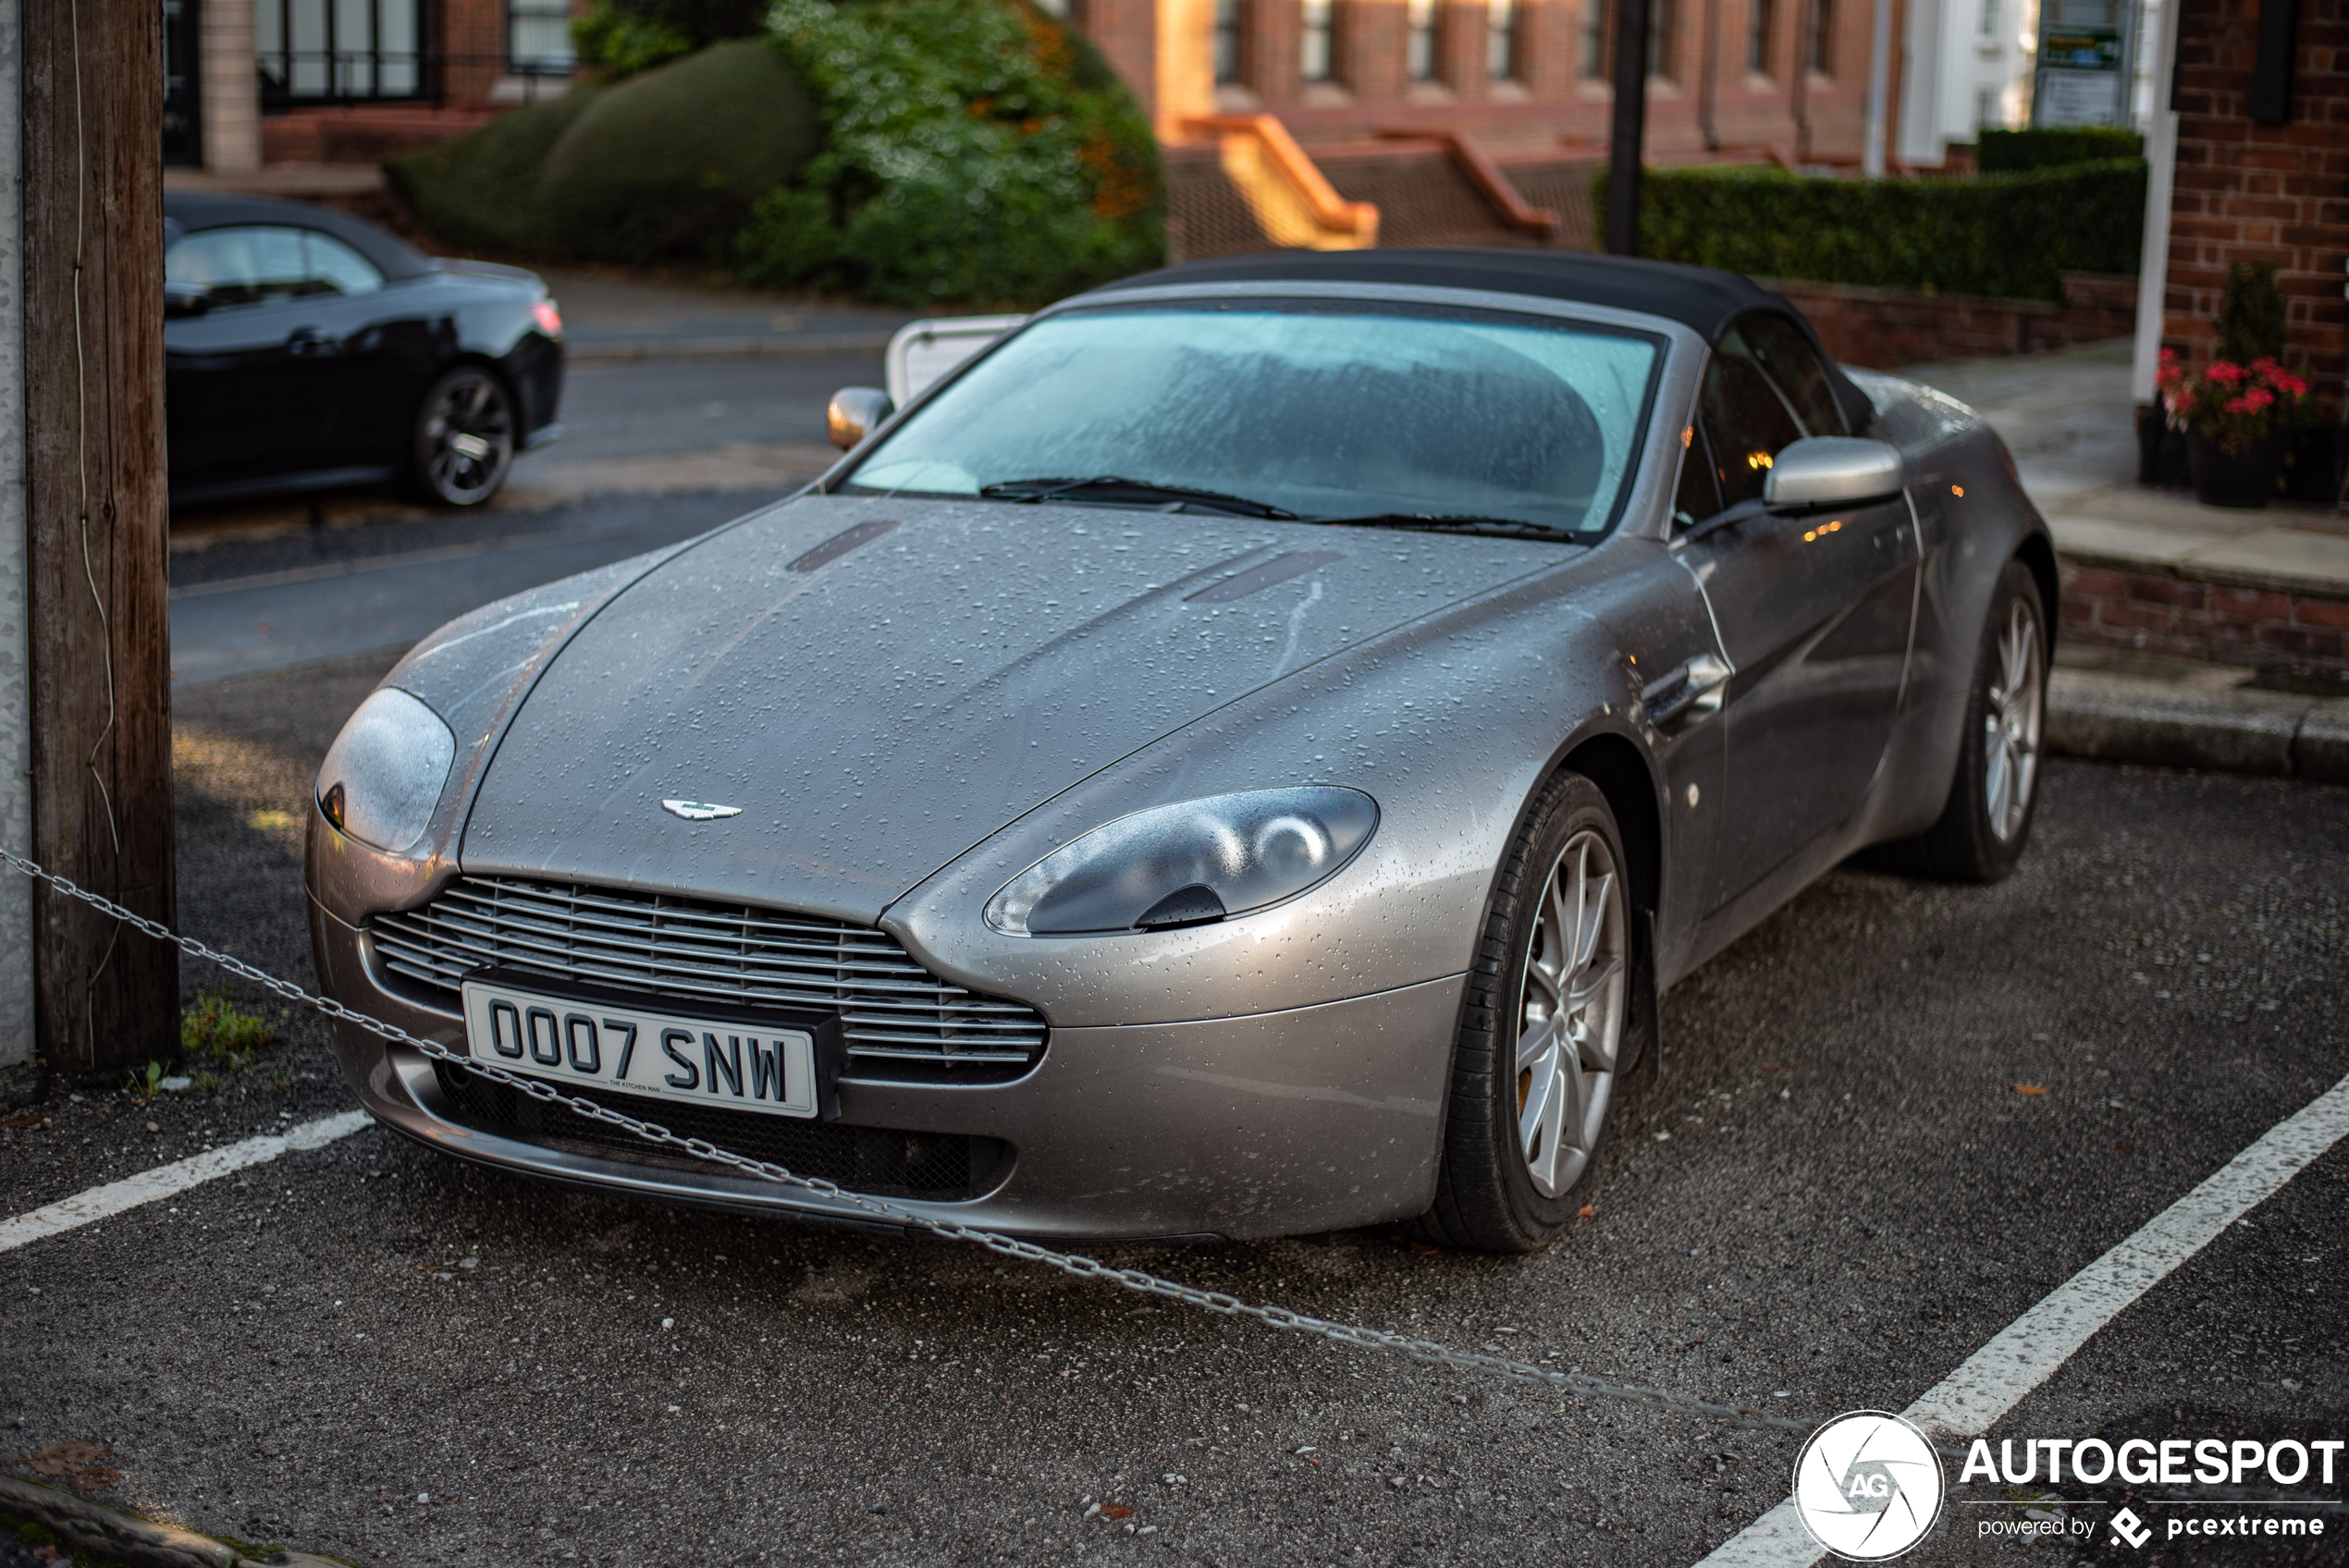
(1570, 1015)
(2010, 720)
(467, 438)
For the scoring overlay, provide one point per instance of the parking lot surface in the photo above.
(1841, 1186)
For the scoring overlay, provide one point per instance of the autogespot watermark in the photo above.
(1869, 1486)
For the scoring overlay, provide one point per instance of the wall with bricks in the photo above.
(2247, 191)
(2155, 612)
(1884, 328)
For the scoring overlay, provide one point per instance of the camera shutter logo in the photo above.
(1868, 1486)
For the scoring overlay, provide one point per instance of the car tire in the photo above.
(1987, 821)
(461, 443)
(1525, 1113)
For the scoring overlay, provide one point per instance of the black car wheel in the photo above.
(463, 442)
(1552, 1018)
(1987, 821)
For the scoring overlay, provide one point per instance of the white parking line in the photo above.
(100, 1203)
(2027, 1352)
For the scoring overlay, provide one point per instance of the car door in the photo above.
(1813, 609)
(253, 369)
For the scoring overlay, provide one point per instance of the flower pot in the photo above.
(2221, 478)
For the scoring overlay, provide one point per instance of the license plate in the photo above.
(704, 1054)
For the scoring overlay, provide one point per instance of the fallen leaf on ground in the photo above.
(19, 1123)
(1116, 1510)
(1425, 1249)
(59, 1458)
(97, 1479)
(1585, 1211)
(2032, 1090)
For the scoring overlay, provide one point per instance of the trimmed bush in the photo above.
(666, 163)
(2009, 236)
(976, 150)
(479, 191)
(671, 163)
(2017, 152)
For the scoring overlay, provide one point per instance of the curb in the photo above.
(114, 1536)
(735, 348)
(2272, 734)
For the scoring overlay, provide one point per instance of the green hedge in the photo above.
(668, 164)
(975, 150)
(2016, 151)
(2010, 236)
(623, 37)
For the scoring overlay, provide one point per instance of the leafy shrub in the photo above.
(976, 150)
(668, 163)
(2015, 152)
(625, 37)
(2009, 236)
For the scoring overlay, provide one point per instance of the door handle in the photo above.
(1696, 688)
(310, 343)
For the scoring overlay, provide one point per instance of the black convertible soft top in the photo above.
(1700, 297)
(189, 211)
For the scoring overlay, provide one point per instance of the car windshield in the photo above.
(1323, 410)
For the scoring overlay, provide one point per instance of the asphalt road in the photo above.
(1835, 1190)
(654, 451)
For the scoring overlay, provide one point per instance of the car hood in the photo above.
(874, 711)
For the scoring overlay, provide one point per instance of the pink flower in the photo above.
(2266, 364)
(2292, 385)
(2224, 372)
(2257, 398)
(2238, 405)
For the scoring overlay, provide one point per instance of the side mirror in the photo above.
(1833, 471)
(185, 300)
(854, 414)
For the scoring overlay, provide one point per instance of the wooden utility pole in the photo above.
(97, 631)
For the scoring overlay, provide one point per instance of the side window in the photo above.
(247, 265)
(1748, 421)
(1699, 495)
(1795, 365)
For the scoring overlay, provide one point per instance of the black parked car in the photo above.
(305, 349)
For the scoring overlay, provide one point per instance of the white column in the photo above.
(2161, 156)
(1921, 142)
(15, 686)
(228, 96)
(1879, 89)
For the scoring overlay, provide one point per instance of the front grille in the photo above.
(942, 1167)
(901, 1023)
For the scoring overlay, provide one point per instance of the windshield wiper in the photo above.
(1138, 492)
(1425, 522)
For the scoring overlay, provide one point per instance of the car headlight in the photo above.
(1189, 863)
(383, 773)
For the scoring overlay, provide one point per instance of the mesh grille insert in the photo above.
(901, 1023)
(942, 1167)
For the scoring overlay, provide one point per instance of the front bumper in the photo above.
(1312, 1118)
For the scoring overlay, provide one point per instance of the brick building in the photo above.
(2251, 163)
(1788, 76)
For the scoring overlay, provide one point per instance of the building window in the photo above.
(538, 37)
(1757, 36)
(1989, 19)
(1660, 38)
(1316, 58)
(1595, 16)
(1986, 109)
(1231, 20)
(1418, 40)
(1500, 40)
(1822, 58)
(335, 51)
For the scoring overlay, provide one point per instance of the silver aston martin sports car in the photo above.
(1241, 754)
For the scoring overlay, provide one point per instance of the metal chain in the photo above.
(1083, 1267)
